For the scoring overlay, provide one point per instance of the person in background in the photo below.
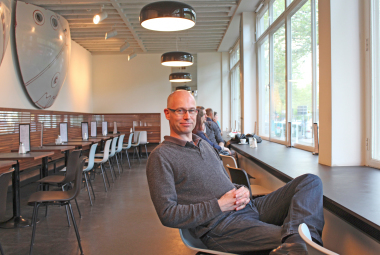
(190, 189)
(213, 131)
(216, 120)
(200, 130)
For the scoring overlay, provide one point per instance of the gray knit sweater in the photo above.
(185, 183)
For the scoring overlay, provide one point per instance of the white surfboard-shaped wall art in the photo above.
(43, 46)
(5, 18)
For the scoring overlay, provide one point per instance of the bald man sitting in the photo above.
(190, 189)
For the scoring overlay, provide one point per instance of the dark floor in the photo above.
(122, 221)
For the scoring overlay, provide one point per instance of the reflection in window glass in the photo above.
(235, 88)
(278, 112)
(263, 23)
(301, 76)
(264, 88)
(375, 100)
(278, 8)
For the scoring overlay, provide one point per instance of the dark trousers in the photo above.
(266, 221)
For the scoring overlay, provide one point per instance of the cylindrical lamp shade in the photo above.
(183, 88)
(180, 77)
(167, 16)
(177, 58)
(100, 17)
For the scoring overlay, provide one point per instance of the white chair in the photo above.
(144, 140)
(312, 248)
(126, 147)
(110, 156)
(118, 152)
(101, 161)
(88, 168)
(196, 244)
(136, 144)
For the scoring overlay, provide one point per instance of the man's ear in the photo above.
(167, 114)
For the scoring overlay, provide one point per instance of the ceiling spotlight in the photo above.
(111, 34)
(167, 16)
(124, 47)
(132, 55)
(180, 77)
(100, 16)
(177, 58)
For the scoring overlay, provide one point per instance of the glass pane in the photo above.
(235, 55)
(301, 76)
(278, 98)
(278, 8)
(263, 23)
(235, 98)
(264, 88)
(375, 137)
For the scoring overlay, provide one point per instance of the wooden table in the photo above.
(77, 144)
(90, 139)
(6, 164)
(44, 169)
(17, 221)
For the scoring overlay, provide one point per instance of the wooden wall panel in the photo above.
(11, 118)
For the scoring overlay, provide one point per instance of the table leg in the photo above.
(66, 156)
(17, 221)
(45, 172)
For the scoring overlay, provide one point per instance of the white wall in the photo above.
(210, 81)
(75, 94)
(137, 86)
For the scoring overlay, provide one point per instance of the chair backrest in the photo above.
(91, 157)
(113, 146)
(129, 141)
(120, 143)
(143, 137)
(4, 181)
(136, 139)
(239, 176)
(312, 248)
(196, 244)
(228, 161)
(72, 164)
(74, 192)
(106, 151)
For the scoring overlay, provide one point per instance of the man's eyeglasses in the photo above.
(181, 111)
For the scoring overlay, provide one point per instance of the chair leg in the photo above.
(76, 228)
(111, 169)
(34, 219)
(117, 163)
(88, 188)
(67, 211)
(121, 161)
(89, 179)
(129, 163)
(104, 180)
(76, 202)
(1, 250)
(105, 173)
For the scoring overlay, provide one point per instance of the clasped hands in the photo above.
(235, 199)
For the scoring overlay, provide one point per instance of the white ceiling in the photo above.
(213, 19)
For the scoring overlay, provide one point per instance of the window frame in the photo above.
(231, 68)
(285, 18)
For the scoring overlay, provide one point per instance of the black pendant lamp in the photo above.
(167, 16)
(177, 58)
(180, 77)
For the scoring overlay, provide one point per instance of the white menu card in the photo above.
(84, 130)
(104, 127)
(93, 128)
(114, 127)
(63, 132)
(25, 136)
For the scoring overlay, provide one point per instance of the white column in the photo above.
(248, 72)
(341, 83)
(225, 114)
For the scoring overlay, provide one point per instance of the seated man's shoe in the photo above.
(290, 249)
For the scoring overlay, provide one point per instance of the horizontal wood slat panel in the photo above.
(11, 118)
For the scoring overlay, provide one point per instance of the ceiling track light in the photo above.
(124, 47)
(111, 34)
(177, 59)
(132, 55)
(180, 77)
(100, 16)
(167, 16)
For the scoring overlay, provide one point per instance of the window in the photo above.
(374, 143)
(288, 72)
(235, 88)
